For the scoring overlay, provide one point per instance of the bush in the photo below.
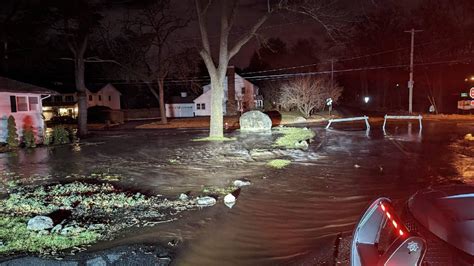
(12, 135)
(29, 137)
(60, 136)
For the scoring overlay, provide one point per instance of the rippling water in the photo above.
(288, 216)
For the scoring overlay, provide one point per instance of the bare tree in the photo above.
(308, 94)
(75, 21)
(325, 14)
(144, 48)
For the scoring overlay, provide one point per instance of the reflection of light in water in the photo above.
(412, 135)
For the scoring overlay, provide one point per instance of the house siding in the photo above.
(22, 118)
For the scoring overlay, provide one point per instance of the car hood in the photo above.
(447, 212)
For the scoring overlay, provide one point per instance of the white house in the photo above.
(23, 102)
(246, 96)
(180, 106)
(65, 104)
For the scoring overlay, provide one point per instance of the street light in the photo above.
(366, 99)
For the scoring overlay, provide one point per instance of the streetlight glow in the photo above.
(366, 99)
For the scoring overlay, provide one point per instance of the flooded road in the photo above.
(287, 216)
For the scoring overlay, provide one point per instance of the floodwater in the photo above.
(287, 216)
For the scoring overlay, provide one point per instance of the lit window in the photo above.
(33, 101)
(22, 104)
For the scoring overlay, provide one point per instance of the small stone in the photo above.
(241, 183)
(96, 227)
(206, 201)
(43, 232)
(302, 145)
(165, 261)
(183, 197)
(229, 200)
(39, 223)
(56, 229)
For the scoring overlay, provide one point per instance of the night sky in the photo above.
(371, 49)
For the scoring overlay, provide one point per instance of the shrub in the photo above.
(278, 163)
(29, 137)
(60, 135)
(12, 135)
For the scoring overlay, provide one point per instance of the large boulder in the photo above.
(39, 223)
(255, 121)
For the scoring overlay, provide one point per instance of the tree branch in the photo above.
(244, 39)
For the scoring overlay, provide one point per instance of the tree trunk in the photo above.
(217, 100)
(161, 89)
(79, 69)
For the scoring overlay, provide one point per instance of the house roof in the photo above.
(10, 85)
(179, 99)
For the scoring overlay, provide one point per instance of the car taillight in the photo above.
(388, 210)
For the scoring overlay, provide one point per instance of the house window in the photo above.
(243, 90)
(58, 98)
(203, 106)
(33, 101)
(110, 98)
(198, 106)
(13, 104)
(21, 103)
(90, 98)
(69, 98)
(100, 97)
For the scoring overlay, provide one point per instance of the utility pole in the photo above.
(411, 82)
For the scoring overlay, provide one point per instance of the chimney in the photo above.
(231, 105)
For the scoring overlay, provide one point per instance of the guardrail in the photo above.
(402, 117)
(366, 118)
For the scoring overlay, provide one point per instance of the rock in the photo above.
(255, 121)
(229, 200)
(43, 232)
(71, 230)
(206, 201)
(300, 119)
(302, 145)
(183, 197)
(241, 183)
(56, 229)
(469, 137)
(39, 223)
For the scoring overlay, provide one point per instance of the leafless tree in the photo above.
(326, 14)
(144, 49)
(308, 93)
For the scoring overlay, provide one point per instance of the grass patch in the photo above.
(95, 212)
(215, 139)
(218, 190)
(278, 163)
(17, 238)
(292, 136)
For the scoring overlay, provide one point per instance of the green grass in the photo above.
(278, 163)
(292, 136)
(214, 139)
(17, 238)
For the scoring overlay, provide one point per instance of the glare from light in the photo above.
(366, 99)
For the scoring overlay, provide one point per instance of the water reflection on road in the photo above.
(286, 216)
